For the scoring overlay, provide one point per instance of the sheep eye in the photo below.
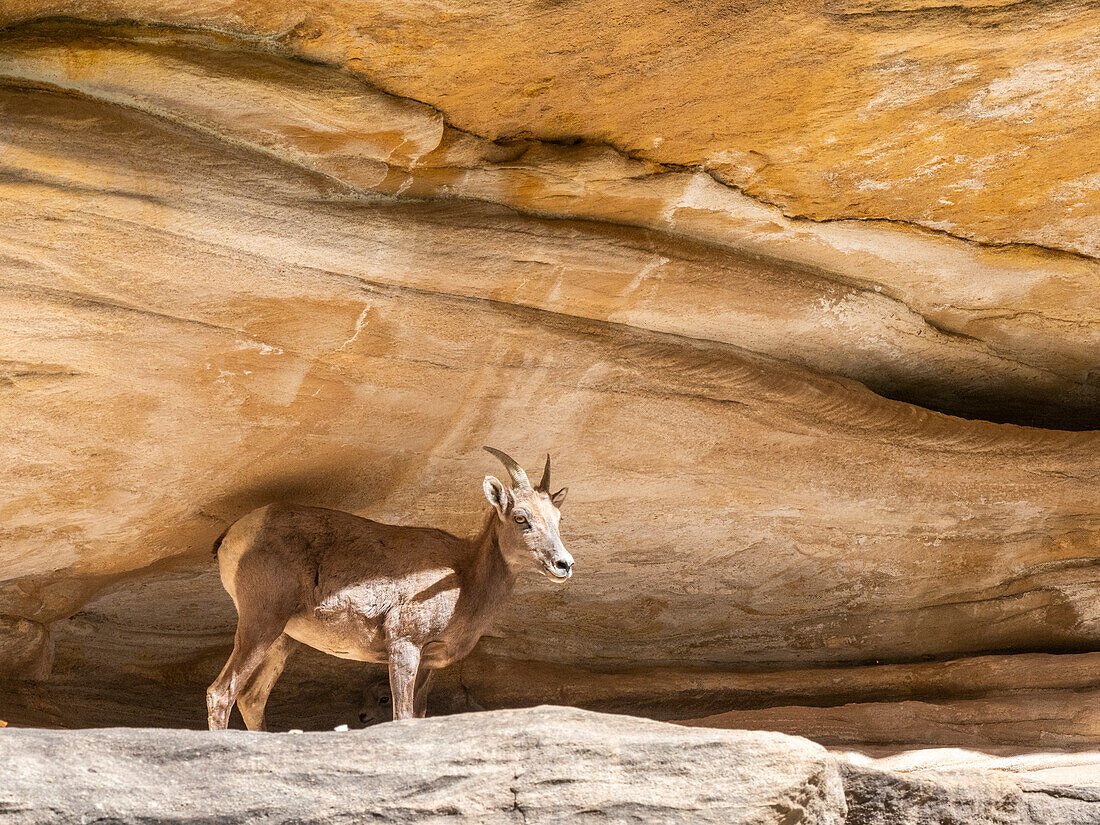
(385, 700)
(519, 519)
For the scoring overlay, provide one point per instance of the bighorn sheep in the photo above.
(413, 597)
(375, 705)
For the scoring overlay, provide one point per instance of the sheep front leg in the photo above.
(404, 666)
(423, 687)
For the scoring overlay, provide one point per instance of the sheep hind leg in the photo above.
(256, 633)
(253, 699)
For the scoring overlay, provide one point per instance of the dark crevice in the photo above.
(1012, 404)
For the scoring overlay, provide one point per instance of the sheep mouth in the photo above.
(555, 576)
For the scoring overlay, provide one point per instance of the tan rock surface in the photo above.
(945, 324)
(1078, 768)
(950, 115)
(229, 276)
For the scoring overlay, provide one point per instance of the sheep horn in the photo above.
(544, 485)
(519, 477)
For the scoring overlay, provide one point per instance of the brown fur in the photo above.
(415, 598)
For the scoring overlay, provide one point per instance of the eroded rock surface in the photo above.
(971, 117)
(1007, 333)
(540, 765)
(254, 255)
(932, 796)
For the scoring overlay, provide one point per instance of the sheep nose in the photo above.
(564, 566)
(363, 718)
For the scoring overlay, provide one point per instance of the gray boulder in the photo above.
(955, 798)
(541, 765)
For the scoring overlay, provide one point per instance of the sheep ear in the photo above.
(559, 497)
(498, 495)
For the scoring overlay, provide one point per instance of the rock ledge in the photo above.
(545, 764)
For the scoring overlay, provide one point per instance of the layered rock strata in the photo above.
(252, 255)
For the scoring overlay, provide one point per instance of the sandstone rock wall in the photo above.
(739, 271)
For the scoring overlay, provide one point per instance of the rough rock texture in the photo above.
(533, 766)
(970, 116)
(965, 796)
(1007, 333)
(737, 269)
(540, 765)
